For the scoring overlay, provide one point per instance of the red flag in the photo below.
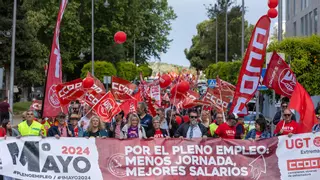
(51, 104)
(122, 89)
(192, 95)
(301, 102)
(213, 96)
(129, 106)
(93, 97)
(253, 61)
(97, 86)
(279, 76)
(69, 91)
(137, 96)
(36, 105)
(107, 107)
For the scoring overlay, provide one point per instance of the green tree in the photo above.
(227, 71)
(101, 68)
(202, 51)
(303, 54)
(127, 70)
(145, 69)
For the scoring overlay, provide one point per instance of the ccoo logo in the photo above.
(287, 81)
(53, 97)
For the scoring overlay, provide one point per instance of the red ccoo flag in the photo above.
(301, 102)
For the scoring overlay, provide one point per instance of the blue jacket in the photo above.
(252, 134)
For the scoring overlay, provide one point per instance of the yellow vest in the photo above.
(213, 127)
(32, 130)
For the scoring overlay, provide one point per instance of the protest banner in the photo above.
(67, 158)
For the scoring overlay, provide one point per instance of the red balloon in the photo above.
(273, 3)
(87, 82)
(272, 13)
(183, 87)
(164, 81)
(174, 92)
(120, 37)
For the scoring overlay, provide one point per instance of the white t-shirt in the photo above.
(86, 122)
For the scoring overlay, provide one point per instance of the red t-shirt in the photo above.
(258, 134)
(291, 127)
(158, 134)
(76, 131)
(2, 132)
(225, 131)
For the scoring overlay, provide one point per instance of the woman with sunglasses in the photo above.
(260, 131)
(96, 128)
(287, 126)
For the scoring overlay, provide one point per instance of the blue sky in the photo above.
(192, 12)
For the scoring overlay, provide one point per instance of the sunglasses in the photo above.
(287, 115)
(284, 106)
(193, 117)
(28, 114)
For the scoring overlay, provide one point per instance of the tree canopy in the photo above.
(202, 51)
(146, 21)
(101, 68)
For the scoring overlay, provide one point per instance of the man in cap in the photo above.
(61, 128)
(78, 131)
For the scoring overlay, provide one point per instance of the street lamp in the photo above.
(105, 4)
(6, 33)
(81, 56)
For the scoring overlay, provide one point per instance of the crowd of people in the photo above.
(80, 121)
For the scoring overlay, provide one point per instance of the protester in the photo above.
(74, 119)
(260, 131)
(278, 116)
(287, 126)
(316, 127)
(114, 128)
(205, 118)
(317, 110)
(96, 128)
(240, 130)
(3, 131)
(11, 132)
(171, 118)
(133, 128)
(163, 122)
(146, 119)
(4, 110)
(47, 124)
(85, 119)
(30, 127)
(227, 130)
(157, 131)
(61, 128)
(192, 129)
(213, 126)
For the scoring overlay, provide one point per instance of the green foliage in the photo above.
(127, 70)
(101, 68)
(303, 53)
(202, 51)
(227, 71)
(20, 107)
(148, 22)
(145, 69)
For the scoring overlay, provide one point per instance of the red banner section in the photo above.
(69, 91)
(253, 61)
(107, 107)
(51, 105)
(122, 89)
(218, 102)
(188, 159)
(279, 76)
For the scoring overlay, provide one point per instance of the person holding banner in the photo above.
(214, 126)
(260, 131)
(133, 129)
(278, 116)
(96, 128)
(78, 131)
(192, 129)
(316, 127)
(227, 130)
(61, 128)
(287, 126)
(114, 127)
(156, 131)
(30, 127)
(146, 119)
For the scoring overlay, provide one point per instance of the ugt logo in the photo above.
(30, 156)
